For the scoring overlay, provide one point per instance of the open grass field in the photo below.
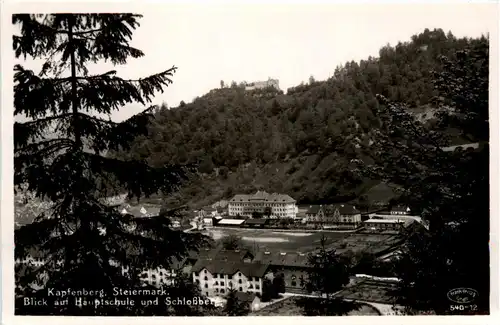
(267, 239)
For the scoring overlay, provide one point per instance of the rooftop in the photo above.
(222, 254)
(313, 209)
(347, 209)
(283, 259)
(230, 268)
(262, 196)
(231, 221)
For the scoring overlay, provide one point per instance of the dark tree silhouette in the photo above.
(268, 290)
(234, 306)
(232, 242)
(449, 189)
(84, 243)
(279, 283)
(256, 215)
(329, 271)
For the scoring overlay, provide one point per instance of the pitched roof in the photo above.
(313, 209)
(347, 209)
(262, 196)
(226, 267)
(283, 259)
(221, 254)
(236, 255)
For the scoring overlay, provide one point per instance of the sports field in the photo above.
(267, 239)
(305, 242)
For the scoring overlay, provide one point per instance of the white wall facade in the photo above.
(219, 284)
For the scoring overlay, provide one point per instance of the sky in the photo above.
(289, 42)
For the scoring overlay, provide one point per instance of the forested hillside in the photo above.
(301, 142)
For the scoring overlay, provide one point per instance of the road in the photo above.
(193, 225)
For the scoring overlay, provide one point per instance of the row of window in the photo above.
(153, 275)
(386, 226)
(259, 204)
(222, 283)
(222, 276)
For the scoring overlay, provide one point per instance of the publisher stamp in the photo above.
(463, 299)
(462, 295)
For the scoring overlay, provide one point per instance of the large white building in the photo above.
(217, 278)
(279, 205)
(263, 84)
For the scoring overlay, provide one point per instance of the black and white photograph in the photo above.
(248, 159)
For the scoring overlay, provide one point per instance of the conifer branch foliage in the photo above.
(449, 189)
(60, 156)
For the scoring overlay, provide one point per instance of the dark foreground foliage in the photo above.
(84, 244)
(450, 190)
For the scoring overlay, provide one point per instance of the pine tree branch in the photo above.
(25, 132)
(138, 177)
(35, 96)
(42, 149)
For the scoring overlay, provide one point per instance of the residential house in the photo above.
(164, 275)
(315, 214)
(292, 265)
(208, 221)
(400, 210)
(342, 215)
(280, 205)
(216, 277)
(249, 298)
(209, 212)
(349, 214)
